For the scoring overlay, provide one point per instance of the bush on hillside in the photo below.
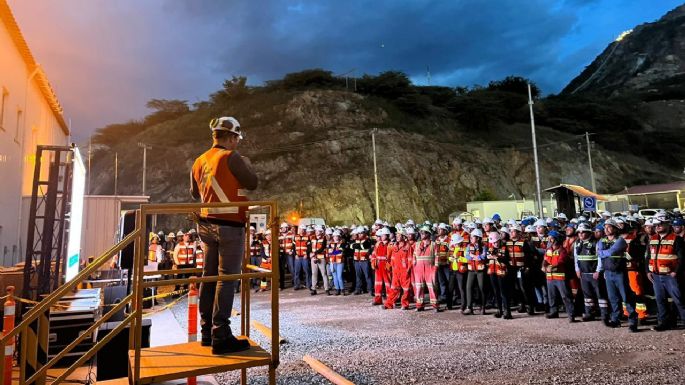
(515, 84)
(390, 85)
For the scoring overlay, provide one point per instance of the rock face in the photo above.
(651, 55)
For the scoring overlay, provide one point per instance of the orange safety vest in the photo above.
(662, 256)
(317, 244)
(554, 273)
(424, 254)
(267, 248)
(516, 252)
(335, 252)
(442, 248)
(186, 253)
(285, 242)
(475, 264)
(216, 183)
(300, 242)
(360, 254)
(494, 265)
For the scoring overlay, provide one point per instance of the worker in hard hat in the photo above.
(589, 271)
(555, 265)
(256, 253)
(379, 264)
(424, 269)
(442, 249)
(286, 252)
(301, 260)
(184, 255)
(361, 252)
(335, 253)
(266, 259)
(401, 263)
(521, 268)
(476, 254)
(317, 257)
(498, 268)
(221, 174)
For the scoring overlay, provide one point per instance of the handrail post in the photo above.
(139, 264)
(244, 291)
(275, 285)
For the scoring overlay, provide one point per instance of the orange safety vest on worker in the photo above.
(199, 257)
(300, 242)
(185, 253)
(319, 247)
(516, 252)
(497, 261)
(442, 248)
(360, 253)
(266, 246)
(335, 252)
(662, 256)
(255, 248)
(216, 183)
(475, 263)
(555, 261)
(285, 243)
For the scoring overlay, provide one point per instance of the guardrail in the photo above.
(135, 299)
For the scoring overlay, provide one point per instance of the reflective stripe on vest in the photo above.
(663, 259)
(216, 183)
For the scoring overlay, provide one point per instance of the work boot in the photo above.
(497, 315)
(230, 345)
(437, 309)
(633, 328)
(467, 311)
(312, 291)
(531, 311)
(612, 324)
(551, 315)
(405, 307)
(588, 317)
(522, 309)
(571, 319)
(328, 292)
(337, 292)
(419, 308)
(206, 341)
(357, 292)
(660, 327)
(507, 315)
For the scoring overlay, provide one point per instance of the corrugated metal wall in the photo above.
(100, 224)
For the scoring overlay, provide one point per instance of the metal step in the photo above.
(172, 362)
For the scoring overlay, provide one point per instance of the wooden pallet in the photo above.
(171, 362)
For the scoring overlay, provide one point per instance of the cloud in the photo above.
(107, 58)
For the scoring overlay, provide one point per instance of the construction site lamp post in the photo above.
(589, 160)
(535, 153)
(145, 147)
(375, 169)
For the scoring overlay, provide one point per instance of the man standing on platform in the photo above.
(220, 175)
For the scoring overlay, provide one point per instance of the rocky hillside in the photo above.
(309, 137)
(650, 59)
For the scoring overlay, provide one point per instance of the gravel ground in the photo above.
(369, 345)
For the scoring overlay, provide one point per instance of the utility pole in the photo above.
(116, 172)
(90, 145)
(145, 147)
(375, 169)
(589, 160)
(535, 153)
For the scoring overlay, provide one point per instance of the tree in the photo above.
(388, 84)
(515, 84)
(484, 195)
(165, 109)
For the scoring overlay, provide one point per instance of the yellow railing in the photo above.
(135, 299)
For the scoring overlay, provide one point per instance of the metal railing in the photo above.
(135, 299)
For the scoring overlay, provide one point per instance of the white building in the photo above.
(30, 115)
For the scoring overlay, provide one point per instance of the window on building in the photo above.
(3, 101)
(17, 134)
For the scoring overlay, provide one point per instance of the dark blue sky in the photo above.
(107, 58)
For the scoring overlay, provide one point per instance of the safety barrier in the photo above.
(33, 328)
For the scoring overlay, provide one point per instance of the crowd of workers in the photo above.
(607, 267)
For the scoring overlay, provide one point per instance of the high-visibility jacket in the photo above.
(266, 248)
(516, 252)
(662, 254)
(318, 247)
(362, 249)
(199, 257)
(335, 252)
(400, 256)
(380, 252)
(301, 242)
(185, 252)
(255, 248)
(498, 260)
(424, 252)
(586, 253)
(216, 183)
(285, 243)
(476, 257)
(442, 248)
(555, 263)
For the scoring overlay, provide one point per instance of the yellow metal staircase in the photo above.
(160, 363)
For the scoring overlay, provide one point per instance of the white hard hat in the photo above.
(336, 233)
(318, 228)
(284, 225)
(410, 222)
(488, 220)
(494, 236)
(457, 221)
(530, 229)
(268, 232)
(443, 226)
(310, 229)
(456, 239)
(504, 230)
(511, 222)
(606, 214)
(562, 216)
(477, 233)
(549, 220)
(360, 230)
(515, 228)
(660, 218)
(226, 123)
(471, 225)
(383, 231)
(574, 220)
(477, 221)
(611, 222)
(410, 231)
(540, 223)
(329, 231)
(171, 235)
(180, 233)
(378, 222)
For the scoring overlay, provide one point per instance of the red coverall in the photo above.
(379, 261)
(424, 272)
(400, 261)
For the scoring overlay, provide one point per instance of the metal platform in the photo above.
(171, 362)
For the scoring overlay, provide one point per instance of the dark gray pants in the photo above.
(225, 246)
